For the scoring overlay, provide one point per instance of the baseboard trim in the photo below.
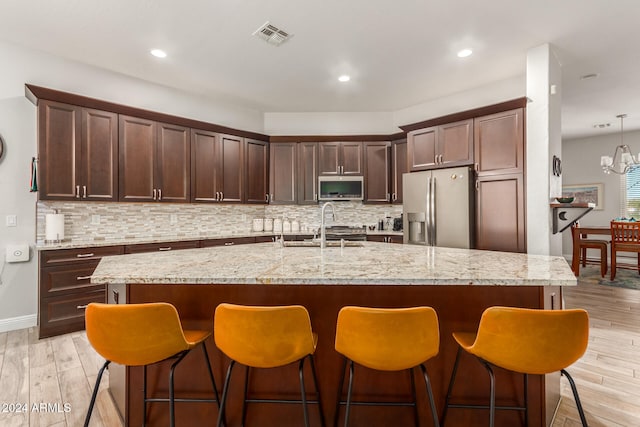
(20, 322)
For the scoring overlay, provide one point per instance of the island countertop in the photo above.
(373, 263)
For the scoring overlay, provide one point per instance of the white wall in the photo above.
(581, 165)
(19, 287)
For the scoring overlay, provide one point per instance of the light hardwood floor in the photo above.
(63, 370)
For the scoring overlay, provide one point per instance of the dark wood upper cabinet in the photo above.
(173, 163)
(307, 173)
(283, 177)
(441, 146)
(216, 167)
(499, 143)
(232, 167)
(137, 159)
(77, 153)
(257, 164)
(398, 167)
(377, 162)
(99, 155)
(340, 158)
(206, 153)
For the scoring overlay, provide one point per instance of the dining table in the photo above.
(582, 232)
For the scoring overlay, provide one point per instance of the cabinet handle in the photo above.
(82, 307)
(229, 243)
(83, 278)
(116, 296)
(476, 167)
(168, 248)
(477, 184)
(77, 191)
(84, 191)
(159, 194)
(394, 197)
(266, 197)
(84, 255)
(222, 196)
(553, 300)
(155, 194)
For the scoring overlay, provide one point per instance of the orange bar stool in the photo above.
(266, 337)
(527, 341)
(140, 335)
(387, 339)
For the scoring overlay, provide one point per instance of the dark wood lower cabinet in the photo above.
(459, 307)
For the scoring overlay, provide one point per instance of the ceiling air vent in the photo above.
(272, 34)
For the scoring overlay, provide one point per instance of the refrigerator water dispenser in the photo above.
(417, 227)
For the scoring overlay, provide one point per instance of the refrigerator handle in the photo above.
(433, 211)
(427, 216)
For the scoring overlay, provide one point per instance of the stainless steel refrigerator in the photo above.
(438, 208)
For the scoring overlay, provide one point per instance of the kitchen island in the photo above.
(458, 283)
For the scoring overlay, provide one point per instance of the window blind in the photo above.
(631, 197)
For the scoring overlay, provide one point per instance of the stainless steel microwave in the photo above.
(341, 187)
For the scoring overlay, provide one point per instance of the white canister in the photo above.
(286, 226)
(295, 226)
(268, 224)
(277, 225)
(258, 224)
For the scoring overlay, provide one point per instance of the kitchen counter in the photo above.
(92, 243)
(379, 263)
(458, 283)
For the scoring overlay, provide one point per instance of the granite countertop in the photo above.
(373, 263)
(92, 243)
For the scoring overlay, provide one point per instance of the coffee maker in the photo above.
(397, 223)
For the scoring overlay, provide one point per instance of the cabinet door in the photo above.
(232, 169)
(173, 163)
(499, 143)
(421, 149)
(398, 167)
(307, 179)
(137, 155)
(161, 247)
(59, 136)
(500, 214)
(99, 178)
(206, 155)
(257, 161)
(329, 158)
(282, 173)
(455, 144)
(376, 172)
(351, 158)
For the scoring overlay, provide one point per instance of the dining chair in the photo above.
(585, 244)
(625, 237)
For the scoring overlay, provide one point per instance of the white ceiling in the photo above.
(399, 53)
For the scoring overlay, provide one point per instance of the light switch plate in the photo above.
(12, 220)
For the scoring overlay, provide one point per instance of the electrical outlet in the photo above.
(12, 220)
(95, 219)
(173, 219)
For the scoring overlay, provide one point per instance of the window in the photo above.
(631, 194)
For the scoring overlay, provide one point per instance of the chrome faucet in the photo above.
(323, 233)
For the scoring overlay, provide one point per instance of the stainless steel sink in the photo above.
(316, 243)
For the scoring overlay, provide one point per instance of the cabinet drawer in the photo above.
(67, 278)
(160, 247)
(48, 258)
(227, 242)
(65, 313)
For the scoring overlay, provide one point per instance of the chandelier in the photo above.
(622, 161)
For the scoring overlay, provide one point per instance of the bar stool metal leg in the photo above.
(303, 393)
(432, 402)
(575, 396)
(450, 388)
(492, 393)
(339, 394)
(225, 392)
(95, 393)
(346, 415)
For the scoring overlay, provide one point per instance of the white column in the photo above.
(543, 122)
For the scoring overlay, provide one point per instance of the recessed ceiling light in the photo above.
(464, 53)
(158, 53)
(589, 76)
(602, 125)
(344, 78)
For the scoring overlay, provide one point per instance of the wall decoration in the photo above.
(585, 193)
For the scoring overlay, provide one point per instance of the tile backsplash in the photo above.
(107, 221)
